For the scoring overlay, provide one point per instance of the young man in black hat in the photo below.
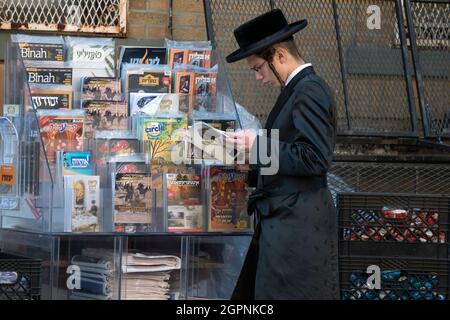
(294, 253)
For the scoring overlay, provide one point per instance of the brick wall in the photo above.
(149, 19)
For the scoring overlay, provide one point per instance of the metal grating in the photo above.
(377, 99)
(343, 51)
(432, 24)
(389, 178)
(432, 28)
(402, 278)
(317, 44)
(225, 16)
(85, 16)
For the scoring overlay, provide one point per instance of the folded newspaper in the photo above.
(94, 265)
(139, 262)
(148, 286)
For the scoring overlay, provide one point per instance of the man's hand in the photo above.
(242, 139)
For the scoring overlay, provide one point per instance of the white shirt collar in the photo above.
(296, 71)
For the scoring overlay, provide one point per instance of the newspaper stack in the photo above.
(97, 278)
(146, 276)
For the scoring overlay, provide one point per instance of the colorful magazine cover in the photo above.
(76, 163)
(49, 76)
(132, 202)
(42, 51)
(48, 99)
(142, 55)
(178, 56)
(152, 81)
(111, 147)
(205, 92)
(200, 58)
(161, 135)
(227, 200)
(152, 103)
(82, 194)
(132, 167)
(61, 133)
(105, 115)
(185, 86)
(184, 203)
(100, 88)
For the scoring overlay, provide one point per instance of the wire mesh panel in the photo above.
(399, 278)
(89, 16)
(376, 84)
(372, 68)
(225, 16)
(389, 177)
(20, 278)
(317, 44)
(432, 28)
(393, 224)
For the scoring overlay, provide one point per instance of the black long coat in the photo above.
(295, 244)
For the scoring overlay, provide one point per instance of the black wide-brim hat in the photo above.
(262, 32)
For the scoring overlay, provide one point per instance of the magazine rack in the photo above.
(71, 224)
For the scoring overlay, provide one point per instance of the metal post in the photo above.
(170, 26)
(342, 65)
(209, 22)
(272, 4)
(406, 71)
(417, 70)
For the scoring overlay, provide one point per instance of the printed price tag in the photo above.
(7, 174)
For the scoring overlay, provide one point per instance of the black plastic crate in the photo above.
(393, 224)
(401, 278)
(20, 278)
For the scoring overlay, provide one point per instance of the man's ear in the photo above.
(281, 54)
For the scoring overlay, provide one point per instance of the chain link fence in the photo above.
(84, 16)
(431, 22)
(370, 69)
(419, 178)
(225, 16)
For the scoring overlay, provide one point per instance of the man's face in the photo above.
(262, 70)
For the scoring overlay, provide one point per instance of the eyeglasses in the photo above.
(257, 68)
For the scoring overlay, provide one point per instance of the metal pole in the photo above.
(170, 26)
(209, 23)
(417, 70)
(272, 4)
(406, 71)
(342, 65)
